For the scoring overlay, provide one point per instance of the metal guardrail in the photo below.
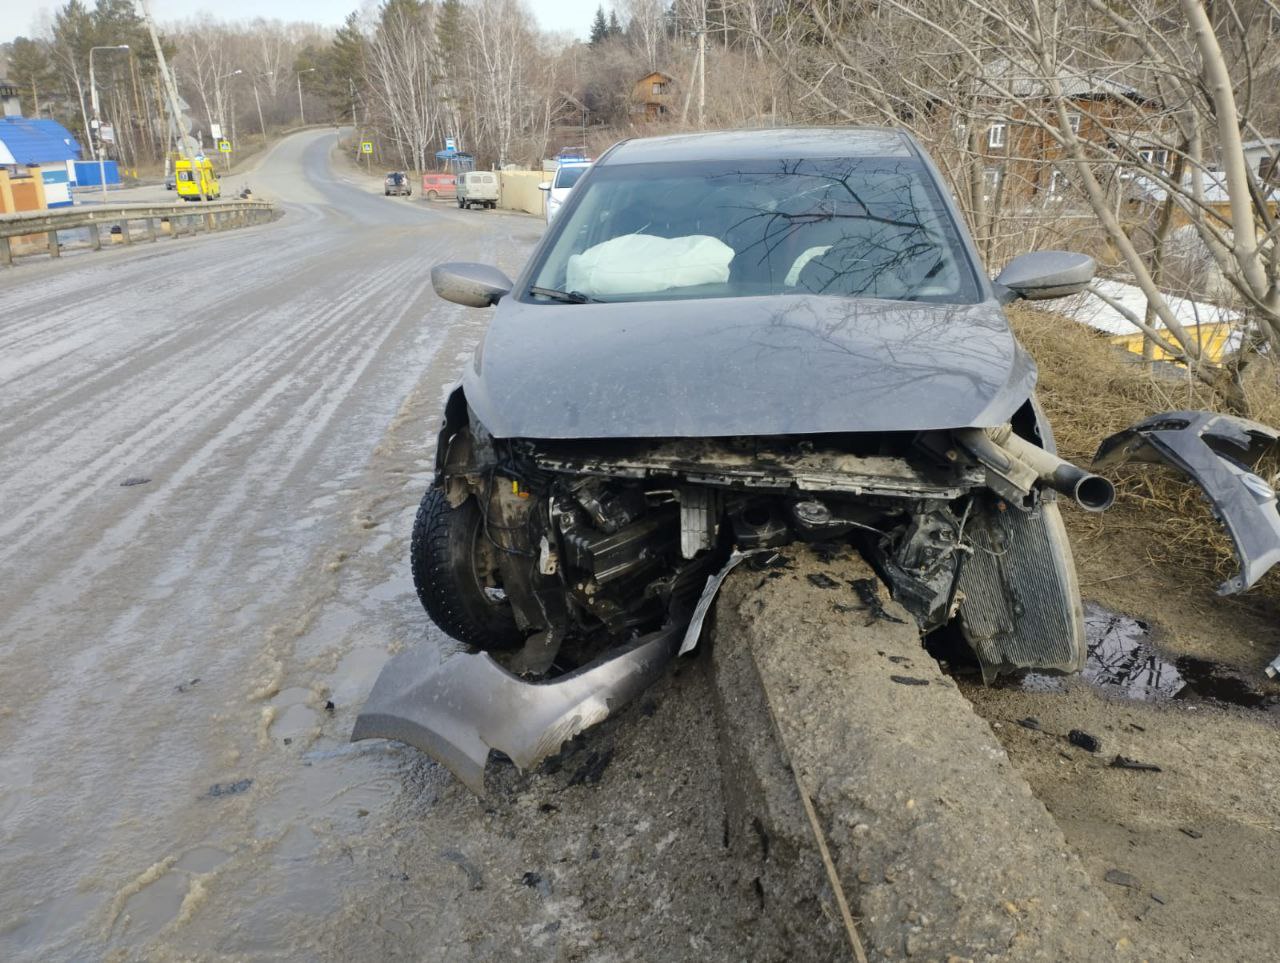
(156, 219)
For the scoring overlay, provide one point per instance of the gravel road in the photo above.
(213, 449)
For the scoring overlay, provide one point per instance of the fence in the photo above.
(38, 230)
(518, 191)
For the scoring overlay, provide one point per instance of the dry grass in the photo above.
(1160, 524)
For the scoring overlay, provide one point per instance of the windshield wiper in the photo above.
(568, 297)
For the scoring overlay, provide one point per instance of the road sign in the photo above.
(451, 145)
(215, 131)
(366, 147)
(224, 146)
(107, 134)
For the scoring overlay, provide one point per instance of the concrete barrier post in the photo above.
(53, 244)
(151, 229)
(124, 231)
(6, 252)
(95, 237)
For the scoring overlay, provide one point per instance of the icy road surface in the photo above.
(212, 450)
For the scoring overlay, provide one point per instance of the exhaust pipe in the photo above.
(1023, 464)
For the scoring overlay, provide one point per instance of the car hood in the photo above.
(744, 366)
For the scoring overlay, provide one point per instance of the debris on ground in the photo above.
(1124, 762)
(187, 686)
(228, 788)
(821, 580)
(1083, 740)
(1032, 723)
(868, 591)
(130, 482)
(474, 880)
(1119, 877)
(592, 769)
(908, 680)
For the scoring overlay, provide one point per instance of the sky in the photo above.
(24, 17)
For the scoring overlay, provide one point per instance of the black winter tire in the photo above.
(432, 196)
(453, 563)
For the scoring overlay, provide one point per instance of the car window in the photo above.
(863, 227)
(568, 176)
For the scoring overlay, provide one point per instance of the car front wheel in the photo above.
(456, 574)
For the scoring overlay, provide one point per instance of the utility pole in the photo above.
(302, 117)
(189, 145)
(97, 119)
(262, 127)
(226, 156)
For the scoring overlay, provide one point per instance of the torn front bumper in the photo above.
(458, 709)
(1219, 453)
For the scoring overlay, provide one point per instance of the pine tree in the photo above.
(32, 73)
(599, 28)
(615, 28)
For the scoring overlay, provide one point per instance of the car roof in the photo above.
(767, 144)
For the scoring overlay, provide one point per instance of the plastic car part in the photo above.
(1218, 453)
(458, 709)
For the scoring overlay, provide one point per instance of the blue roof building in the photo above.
(44, 142)
(38, 140)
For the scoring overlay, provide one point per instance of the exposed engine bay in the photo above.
(596, 542)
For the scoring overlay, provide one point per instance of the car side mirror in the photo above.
(544, 186)
(1041, 275)
(475, 285)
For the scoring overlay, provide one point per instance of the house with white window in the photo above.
(1023, 162)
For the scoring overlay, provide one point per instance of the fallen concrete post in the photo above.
(936, 842)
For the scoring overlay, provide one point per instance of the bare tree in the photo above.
(1116, 104)
(647, 28)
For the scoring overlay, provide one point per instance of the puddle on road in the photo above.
(1124, 661)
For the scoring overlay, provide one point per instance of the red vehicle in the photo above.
(437, 186)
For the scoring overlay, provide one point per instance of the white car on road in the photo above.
(561, 184)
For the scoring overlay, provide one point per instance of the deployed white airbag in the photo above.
(643, 263)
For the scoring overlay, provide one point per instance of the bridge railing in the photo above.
(130, 222)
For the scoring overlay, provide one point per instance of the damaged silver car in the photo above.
(727, 343)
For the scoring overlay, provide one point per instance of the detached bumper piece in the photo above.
(1219, 453)
(457, 709)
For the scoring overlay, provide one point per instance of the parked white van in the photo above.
(478, 187)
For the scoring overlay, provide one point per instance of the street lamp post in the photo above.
(97, 119)
(302, 117)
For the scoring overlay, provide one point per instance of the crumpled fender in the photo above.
(1218, 453)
